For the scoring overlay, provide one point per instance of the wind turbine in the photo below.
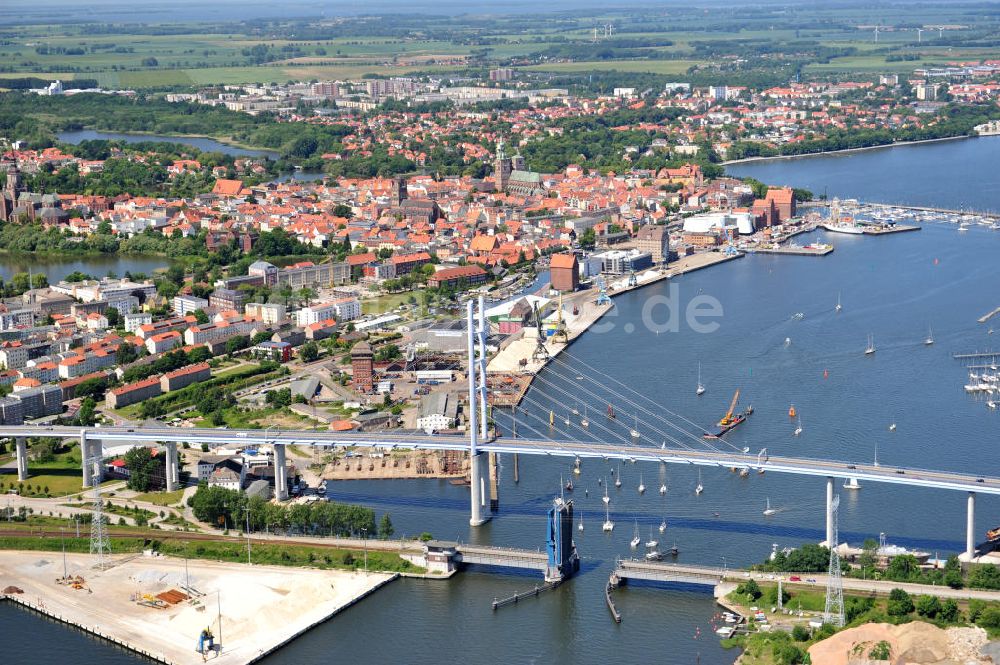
(876, 34)
(920, 34)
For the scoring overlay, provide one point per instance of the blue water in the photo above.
(204, 144)
(894, 287)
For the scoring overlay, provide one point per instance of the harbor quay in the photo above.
(167, 609)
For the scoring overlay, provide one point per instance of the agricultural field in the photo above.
(645, 66)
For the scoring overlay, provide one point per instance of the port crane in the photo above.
(728, 418)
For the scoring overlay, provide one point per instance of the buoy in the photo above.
(791, 411)
(826, 374)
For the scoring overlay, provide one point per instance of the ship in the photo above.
(993, 535)
(841, 227)
(731, 419)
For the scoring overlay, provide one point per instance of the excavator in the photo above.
(731, 419)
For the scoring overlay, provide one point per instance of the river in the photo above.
(894, 287)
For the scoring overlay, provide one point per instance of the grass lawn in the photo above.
(385, 303)
(257, 419)
(160, 498)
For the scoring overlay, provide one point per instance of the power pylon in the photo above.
(100, 544)
(833, 611)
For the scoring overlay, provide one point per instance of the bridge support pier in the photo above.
(21, 444)
(280, 473)
(171, 466)
(477, 478)
(970, 527)
(829, 514)
(88, 467)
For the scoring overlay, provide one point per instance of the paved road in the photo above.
(695, 456)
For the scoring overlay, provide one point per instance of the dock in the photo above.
(517, 597)
(973, 356)
(252, 611)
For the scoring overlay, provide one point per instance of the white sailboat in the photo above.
(634, 543)
(700, 390)
(608, 525)
(852, 484)
(580, 527)
(930, 338)
(576, 466)
(618, 478)
(699, 488)
(663, 526)
(584, 421)
(651, 543)
(606, 499)
(635, 430)
(870, 349)
(892, 427)
(663, 489)
(768, 511)
(839, 306)
(798, 427)
(642, 487)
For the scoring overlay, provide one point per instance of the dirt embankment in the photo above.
(914, 643)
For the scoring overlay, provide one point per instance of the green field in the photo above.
(647, 66)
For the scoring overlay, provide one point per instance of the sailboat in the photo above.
(606, 499)
(635, 430)
(699, 488)
(700, 390)
(580, 527)
(576, 466)
(663, 489)
(634, 543)
(584, 421)
(839, 306)
(608, 525)
(663, 526)
(930, 338)
(798, 428)
(870, 349)
(566, 421)
(852, 484)
(768, 511)
(618, 478)
(892, 427)
(642, 487)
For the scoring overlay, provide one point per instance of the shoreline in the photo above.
(750, 160)
(115, 604)
(227, 141)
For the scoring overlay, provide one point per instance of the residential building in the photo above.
(269, 313)
(185, 376)
(467, 275)
(135, 320)
(184, 305)
(212, 332)
(133, 392)
(227, 474)
(225, 299)
(163, 342)
(40, 402)
(13, 355)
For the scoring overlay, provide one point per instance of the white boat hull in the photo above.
(844, 228)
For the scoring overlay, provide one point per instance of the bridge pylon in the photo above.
(563, 560)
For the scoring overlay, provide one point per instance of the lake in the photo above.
(202, 143)
(98, 265)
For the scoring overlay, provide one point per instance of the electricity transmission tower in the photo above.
(100, 544)
(833, 612)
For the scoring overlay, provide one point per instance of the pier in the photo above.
(237, 602)
(986, 317)
(791, 251)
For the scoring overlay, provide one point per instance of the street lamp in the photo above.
(247, 509)
(365, 533)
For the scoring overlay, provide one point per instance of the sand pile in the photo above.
(915, 643)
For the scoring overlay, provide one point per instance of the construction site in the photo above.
(178, 611)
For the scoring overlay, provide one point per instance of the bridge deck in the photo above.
(701, 457)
